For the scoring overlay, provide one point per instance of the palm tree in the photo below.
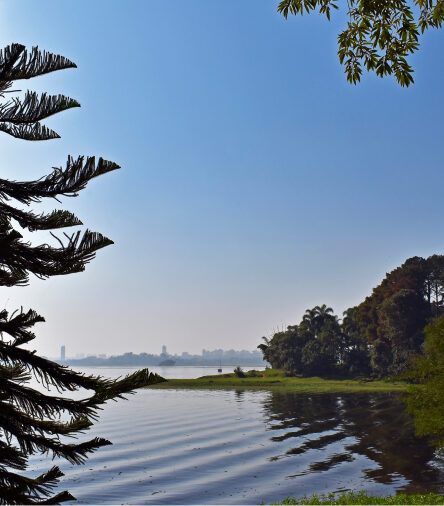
(264, 346)
(310, 320)
(316, 318)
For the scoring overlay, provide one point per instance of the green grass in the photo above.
(276, 380)
(364, 498)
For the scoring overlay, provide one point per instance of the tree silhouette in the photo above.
(31, 421)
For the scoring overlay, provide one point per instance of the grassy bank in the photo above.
(276, 380)
(364, 498)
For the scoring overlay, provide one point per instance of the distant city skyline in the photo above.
(255, 181)
(64, 355)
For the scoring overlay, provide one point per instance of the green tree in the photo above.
(322, 336)
(434, 284)
(355, 355)
(315, 319)
(30, 421)
(402, 318)
(311, 348)
(380, 34)
(284, 349)
(393, 317)
(426, 398)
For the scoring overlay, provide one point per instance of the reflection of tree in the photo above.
(239, 395)
(374, 425)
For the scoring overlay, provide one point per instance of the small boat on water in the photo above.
(220, 367)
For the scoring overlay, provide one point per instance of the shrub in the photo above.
(239, 372)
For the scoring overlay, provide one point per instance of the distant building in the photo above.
(63, 353)
(164, 350)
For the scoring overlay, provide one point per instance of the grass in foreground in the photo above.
(272, 379)
(364, 498)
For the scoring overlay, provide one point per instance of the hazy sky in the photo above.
(255, 181)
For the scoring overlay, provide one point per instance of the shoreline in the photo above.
(364, 498)
(273, 380)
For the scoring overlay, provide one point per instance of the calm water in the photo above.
(248, 447)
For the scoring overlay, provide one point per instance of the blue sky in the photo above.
(255, 182)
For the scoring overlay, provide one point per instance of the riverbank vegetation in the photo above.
(426, 399)
(377, 338)
(396, 332)
(364, 498)
(277, 380)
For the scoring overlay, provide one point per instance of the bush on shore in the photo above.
(239, 372)
(363, 497)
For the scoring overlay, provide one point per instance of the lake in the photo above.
(247, 447)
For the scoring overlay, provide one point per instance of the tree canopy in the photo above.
(379, 337)
(379, 36)
(31, 421)
(311, 348)
(426, 399)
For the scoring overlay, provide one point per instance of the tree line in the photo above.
(378, 338)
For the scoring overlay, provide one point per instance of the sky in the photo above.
(255, 181)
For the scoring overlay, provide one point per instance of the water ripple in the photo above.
(223, 447)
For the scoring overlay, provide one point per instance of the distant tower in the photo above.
(164, 350)
(62, 353)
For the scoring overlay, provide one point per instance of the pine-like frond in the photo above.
(126, 385)
(31, 438)
(17, 63)
(16, 373)
(11, 456)
(33, 108)
(39, 405)
(43, 261)
(33, 434)
(13, 278)
(20, 117)
(29, 418)
(29, 132)
(58, 498)
(75, 426)
(50, 373)
(17, 489)
(54, 220)
(18, 324)
(9, 57)
(67, 182)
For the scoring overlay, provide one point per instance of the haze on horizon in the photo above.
(255, 182)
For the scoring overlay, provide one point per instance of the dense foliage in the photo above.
(379, 337)
(313, 347)
(32, 421)
(380, 34)
(426, 399)
(318, 346)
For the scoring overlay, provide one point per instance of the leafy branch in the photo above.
(380, 34)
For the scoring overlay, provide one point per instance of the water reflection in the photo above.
(249, 447)
(346, 427)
